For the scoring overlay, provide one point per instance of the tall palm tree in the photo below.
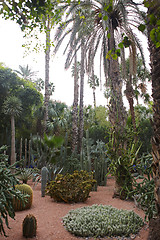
(154, 10)
(112, 18)
(12, 107)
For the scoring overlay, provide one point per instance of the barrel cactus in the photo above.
(44, 179)
(29, 226)
(18, 205)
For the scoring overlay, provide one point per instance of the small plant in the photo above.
(25, 174)
(29, 226)
(18, 204)
(71, 187)
(101, 221)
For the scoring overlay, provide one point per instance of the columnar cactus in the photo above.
(44, 179)
(29, 226)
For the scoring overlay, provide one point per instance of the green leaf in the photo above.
(100, 15)
(157, 44)
(114, 56)
(120, 45)
(108, 35)
(141, 27)
(105, 18)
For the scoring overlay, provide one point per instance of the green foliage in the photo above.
(7, 192)
(47, 150)
(71, 187)
(101, 221)
(122, 157)
(144, 126)
(143, 186)
(29, 226)
(71, 164)
(25, 174)
(13, 87)
(18, 204)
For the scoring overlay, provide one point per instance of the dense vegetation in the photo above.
(45, 133)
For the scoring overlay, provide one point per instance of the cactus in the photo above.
(44, 179)
(29, 226)
(18, 205)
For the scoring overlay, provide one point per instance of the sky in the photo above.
(12, 54)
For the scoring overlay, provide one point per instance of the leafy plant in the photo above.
(47, 149)
(101, 221)
(7, 192)
(143, 187)
(71, 187)
(25, 174)
(123, 159)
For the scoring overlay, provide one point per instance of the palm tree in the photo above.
(25, 72)
(12, 107)
(154, 10)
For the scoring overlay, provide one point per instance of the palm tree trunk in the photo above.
(13, 152)
(117, 113)
(47, 60)
(129, 95)
(75, 109)
(94, 88)
(81, 121)
(154, 9)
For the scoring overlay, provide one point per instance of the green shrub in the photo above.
(71, 187)
(143, 187)
(101, 221)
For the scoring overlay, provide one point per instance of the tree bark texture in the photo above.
(75, 109)
(154, 9)
(81, 120)
(13, 152)
(47, 60)
(117, 113)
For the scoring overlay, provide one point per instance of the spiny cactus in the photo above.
(44, 179)
(29, 226)
(18, 205)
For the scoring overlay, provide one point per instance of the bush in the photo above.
(100, 221)
(71, 187)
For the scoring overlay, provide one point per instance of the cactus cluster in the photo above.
(29, 226)
(20, 205)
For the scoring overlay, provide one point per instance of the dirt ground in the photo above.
(49, 215)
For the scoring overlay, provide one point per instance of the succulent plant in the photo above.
(29, 226)
(44, 179)
(20, 205)
(71, 187)
(102, 221)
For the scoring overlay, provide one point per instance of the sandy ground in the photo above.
(49, 215)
